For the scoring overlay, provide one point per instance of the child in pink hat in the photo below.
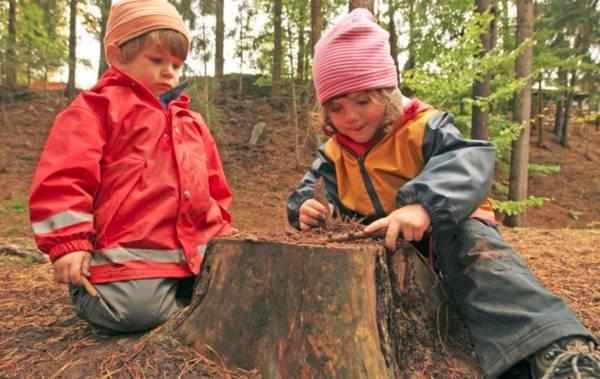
(402, 167)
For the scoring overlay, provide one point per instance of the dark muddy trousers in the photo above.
(508, 311)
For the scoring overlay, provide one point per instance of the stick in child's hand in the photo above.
(321, 196)
(89, 288)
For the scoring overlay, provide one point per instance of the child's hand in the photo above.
(312, 213)
(70, 267)
(409, 222)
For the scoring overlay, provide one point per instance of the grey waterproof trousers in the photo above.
(508, 311)
(132, 305)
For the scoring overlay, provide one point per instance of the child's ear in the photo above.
(113, 54)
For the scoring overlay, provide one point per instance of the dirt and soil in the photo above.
(41, 337)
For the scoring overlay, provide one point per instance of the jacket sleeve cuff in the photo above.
(69, 247)
(435, 206)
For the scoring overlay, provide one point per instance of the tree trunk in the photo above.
(104, 6)
(522, 113)
(393, 35)
(242, 25)
(412, 32)
(309, 311)
(10, 65)
(219, 38)
(564, 132)
(560, 103)
(540, 114)
(481, 89)
(277, 51)
(369, 4)
(70, 89)
(301, 65)
(315, 23)
(558, 117)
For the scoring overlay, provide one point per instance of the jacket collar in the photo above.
(411, 110)
(115, 77)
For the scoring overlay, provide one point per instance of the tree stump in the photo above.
(315, 311)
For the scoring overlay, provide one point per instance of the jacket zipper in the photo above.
(370, 187)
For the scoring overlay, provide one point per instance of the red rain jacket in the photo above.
(139, 186)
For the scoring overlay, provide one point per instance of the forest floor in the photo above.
(40, 336)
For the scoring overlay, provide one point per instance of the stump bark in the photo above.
(307, 311)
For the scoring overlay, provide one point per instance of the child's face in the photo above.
(155, 68)
(357, 115)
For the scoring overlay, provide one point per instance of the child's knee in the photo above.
(129, 306)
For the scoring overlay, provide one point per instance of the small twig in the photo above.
(320, 195)
(90, 289)
(351, 236)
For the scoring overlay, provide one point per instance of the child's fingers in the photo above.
(75, 274)
(311, 214)
(391, 235)
(60, 276)
(315, 206)
(408, 233)
(417, 234)
(308, 222)
(85, 265)
(382, 223)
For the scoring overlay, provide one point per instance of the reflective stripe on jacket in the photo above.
(424, 161)
(141, 187)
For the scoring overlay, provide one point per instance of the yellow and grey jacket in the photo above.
(423, 160)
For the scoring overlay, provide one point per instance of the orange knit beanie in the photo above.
(132, 18)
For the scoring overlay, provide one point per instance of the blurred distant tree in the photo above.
(302, 57)
(95, 24)
(481, 87)
(315, 23)
(41, 44)
(219, 38)
(70, 88)
(10, 66)
(36, 47)
(244, 21)
(104, 6)
(277, 50)
(566, 37)
(522, 112)
(369, 4)
(392, 6)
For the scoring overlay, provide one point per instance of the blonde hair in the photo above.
(174, 41)
(390, 98)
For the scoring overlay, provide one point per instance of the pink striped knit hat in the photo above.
(354, 55)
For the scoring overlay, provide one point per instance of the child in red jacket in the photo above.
(402, 168)
(130, 188)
